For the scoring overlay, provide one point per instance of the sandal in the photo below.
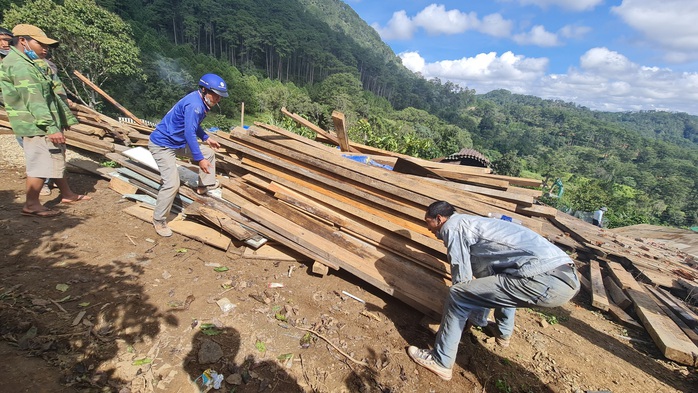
(80, 198)
(48, 213)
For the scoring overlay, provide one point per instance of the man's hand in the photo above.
(214, 144)
(205, 165)
(57, 138)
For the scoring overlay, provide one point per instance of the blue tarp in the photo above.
(366, 160)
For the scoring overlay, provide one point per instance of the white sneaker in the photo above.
(45, 190)
(162, 229)
(424, 358)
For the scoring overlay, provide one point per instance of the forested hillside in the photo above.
(316, 56)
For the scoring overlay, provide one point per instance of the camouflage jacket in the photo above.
(32, 103)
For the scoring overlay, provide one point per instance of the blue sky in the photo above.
(621, 55)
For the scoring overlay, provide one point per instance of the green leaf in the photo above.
(141, 362)
(62, 287)
(221, 269)
(181, 250)
(84, 304)
(281, 317)
(261, 347)
(211, 332)
(285, 356)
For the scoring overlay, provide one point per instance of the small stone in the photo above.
(209, 352)
(234, 379)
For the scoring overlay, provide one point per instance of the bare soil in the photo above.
(146, 298)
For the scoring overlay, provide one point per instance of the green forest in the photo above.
(317, 56)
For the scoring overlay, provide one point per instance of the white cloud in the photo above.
(537, 36)
(483, 68)
(605, 80)
(576, 32)
(400, 27)
(413, 61)
(572, 5)
(436, 20)
(496, 26)
(604, 61)
(672, 24)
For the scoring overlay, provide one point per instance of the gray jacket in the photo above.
(480, 247)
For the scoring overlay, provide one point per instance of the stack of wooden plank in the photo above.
(320, 203)
(95, 132)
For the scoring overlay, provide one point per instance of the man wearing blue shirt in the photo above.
(515, 266)
(176, 135)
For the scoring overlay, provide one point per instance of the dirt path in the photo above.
(145, 300)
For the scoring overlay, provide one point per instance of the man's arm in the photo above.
(458, 252)
(192, 121)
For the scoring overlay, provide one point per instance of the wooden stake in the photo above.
(107, 97)
(242, 115)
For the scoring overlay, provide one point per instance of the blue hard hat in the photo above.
(214, 83)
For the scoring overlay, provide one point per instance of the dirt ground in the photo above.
(95, 301)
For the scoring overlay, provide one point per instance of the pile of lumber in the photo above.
(95, 132)
(342, 209)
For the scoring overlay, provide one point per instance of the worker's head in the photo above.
(603, 209)
(437, 214)
(32, 41)
(5, 41)
(213, 88)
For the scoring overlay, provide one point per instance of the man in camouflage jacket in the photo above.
(38, 115)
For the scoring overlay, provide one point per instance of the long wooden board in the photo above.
(189, 229)
(598, 294)
(670, 339)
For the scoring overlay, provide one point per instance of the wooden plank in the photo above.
(670, 339)
(419, 235)
(275, 253)
(88, 140)
(406, 281)
(320, 269)
(620, 316)
(471, 178)
(107, 97)
(384, 239)
(225, 222)
(288, 137)
(341, 129)
(330, 198)
(298, 119)
(526, 191)
(468, 192)
(616, 294)
(622, 276)
(312, 241)
(537, 211)
(364, 177)
(690, 333)
(89, 147)
(335, 172)
(688, 316)
(122, 186)
(189, 229)
(598, 294)
(410, 167)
